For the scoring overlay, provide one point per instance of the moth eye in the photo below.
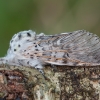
(14, 49)
(28, 34)
(19, 45)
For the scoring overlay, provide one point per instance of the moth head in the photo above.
(20, 39)
(23, 36)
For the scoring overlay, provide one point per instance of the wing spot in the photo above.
(75, 63)
(54, 55)
(14, 49)
(36, 65)
(28, 40)
(11, 41)
(49, 58)
(36, 49)
(24, 50)
(6, 60)
(31, 57)
(43, 54)
(19, 45)
(39, 44)
(19, 36)
(65, 61)
(35, 45)
(43, 49)
(28, 62)
(28, 34)
(37, 56)
(67, 55)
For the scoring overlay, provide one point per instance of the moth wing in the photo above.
(74, 48)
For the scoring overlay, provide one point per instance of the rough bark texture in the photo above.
(59, 83)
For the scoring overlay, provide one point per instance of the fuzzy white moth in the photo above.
(78, 48)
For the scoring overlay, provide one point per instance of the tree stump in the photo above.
(59, 83)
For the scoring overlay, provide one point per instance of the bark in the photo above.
(59, 83)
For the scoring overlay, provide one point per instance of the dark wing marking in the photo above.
(73, 48)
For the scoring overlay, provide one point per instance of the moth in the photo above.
(78, 48)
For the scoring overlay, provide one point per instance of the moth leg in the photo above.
(37, 64)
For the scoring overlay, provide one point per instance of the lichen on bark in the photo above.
(59, 83)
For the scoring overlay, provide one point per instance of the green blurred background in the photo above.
(48, 16)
